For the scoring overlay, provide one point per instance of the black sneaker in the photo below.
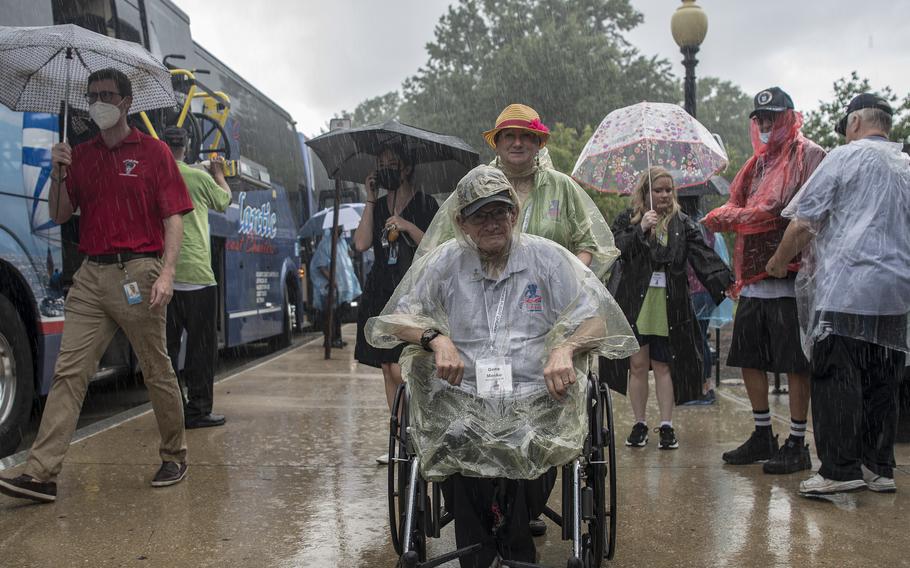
(793, 456)
(668, 439)
(538, 527)
(205, 421)
(639, 436)
(27, 487)
(169, 473)
(759, 447)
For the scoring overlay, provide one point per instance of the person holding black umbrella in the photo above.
(393, 226)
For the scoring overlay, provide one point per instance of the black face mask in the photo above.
(388, 178)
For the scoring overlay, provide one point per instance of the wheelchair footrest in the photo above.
(552, 515)
(442, 559)
(517, 564)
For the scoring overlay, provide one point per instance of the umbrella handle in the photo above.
(66, 96)
(650, 193)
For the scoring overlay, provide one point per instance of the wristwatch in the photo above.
(428, 336)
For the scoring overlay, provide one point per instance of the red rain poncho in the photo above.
(760, 191)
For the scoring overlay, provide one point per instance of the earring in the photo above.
(497, 163)
(537, 160)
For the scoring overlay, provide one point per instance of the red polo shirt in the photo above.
(124, 192)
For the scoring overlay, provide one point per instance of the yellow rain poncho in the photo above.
(557, 209)
(540, 298)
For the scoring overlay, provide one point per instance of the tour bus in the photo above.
(255, 252)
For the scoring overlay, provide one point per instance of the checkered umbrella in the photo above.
(42, 67)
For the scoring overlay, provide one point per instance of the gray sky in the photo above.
(316, 57)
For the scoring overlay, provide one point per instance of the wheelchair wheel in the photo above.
(609, 440)
(400, 460)
(595, 512)
(208, 129)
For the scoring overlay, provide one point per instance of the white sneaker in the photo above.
(878, 483)
(383, 459)
(818, 485)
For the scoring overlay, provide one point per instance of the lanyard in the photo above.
(527, 219)
(496, 319)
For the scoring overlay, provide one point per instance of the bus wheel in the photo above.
(17, 387)
(283, 339)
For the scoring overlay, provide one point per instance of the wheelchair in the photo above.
(587, 517)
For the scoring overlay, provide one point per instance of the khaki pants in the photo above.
(95, 307)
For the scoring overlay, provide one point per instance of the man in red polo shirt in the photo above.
(131, 199)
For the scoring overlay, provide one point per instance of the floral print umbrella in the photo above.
(631, 139)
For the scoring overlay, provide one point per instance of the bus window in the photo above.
(94, 15)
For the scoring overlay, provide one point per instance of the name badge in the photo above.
(132, 293)
(494, 376)
(658, 280)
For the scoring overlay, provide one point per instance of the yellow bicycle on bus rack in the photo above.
(205, 129)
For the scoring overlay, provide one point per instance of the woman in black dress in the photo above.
(393, 225)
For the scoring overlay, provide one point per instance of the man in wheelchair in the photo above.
(507, 323)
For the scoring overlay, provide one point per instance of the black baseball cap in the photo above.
(174, 136)
(773, 99)
(501, 197)
(859, 102)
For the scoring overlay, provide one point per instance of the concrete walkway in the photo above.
(291, 481)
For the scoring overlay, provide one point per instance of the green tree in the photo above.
(819, 124)
(374, 110)
(566, 58)
(724, 110)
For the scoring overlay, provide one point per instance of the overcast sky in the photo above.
(316, 57)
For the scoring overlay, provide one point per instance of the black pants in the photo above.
(336, 324)
(854, 406)
(478, 503)
(196, 312)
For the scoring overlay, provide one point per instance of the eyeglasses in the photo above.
(497, 215)
(105, 96)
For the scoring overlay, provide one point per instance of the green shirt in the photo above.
(194, 265)
(652, 319)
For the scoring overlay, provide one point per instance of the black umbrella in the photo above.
(714, 186)
(440, 160)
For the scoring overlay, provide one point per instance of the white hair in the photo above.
(873, 118)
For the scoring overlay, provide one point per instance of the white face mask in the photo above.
(105, 115)
(764, 136)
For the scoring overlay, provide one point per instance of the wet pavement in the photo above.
(291, 481)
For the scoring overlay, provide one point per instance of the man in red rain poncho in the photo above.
(766, 327)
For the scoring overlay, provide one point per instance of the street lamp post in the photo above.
(689, 26)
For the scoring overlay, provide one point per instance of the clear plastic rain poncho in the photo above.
(345, 277)
(763, 187)
(855, 277)
(557, 209)
(542, 298)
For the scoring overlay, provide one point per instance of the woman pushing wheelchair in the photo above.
(502, 328)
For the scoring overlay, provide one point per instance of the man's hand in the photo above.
(61, 155)
(449, 365)
(162, 290)
(559, 372)
(216, 167)
(776, 267)
(648, 220)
